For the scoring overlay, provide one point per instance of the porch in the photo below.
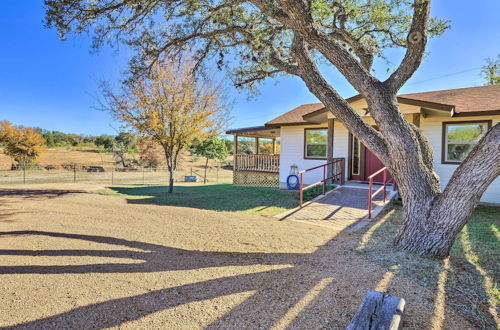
(256, 156)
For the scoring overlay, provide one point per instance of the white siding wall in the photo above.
(341, 144)
(292, 152)
(433, 128)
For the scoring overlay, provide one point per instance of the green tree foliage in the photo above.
(125, 148)
(105, 142)
(213, 148)
(60, 139)
(229, 146)
(257, 31)
(491, 71)
(246, 146)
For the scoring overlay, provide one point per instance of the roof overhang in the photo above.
(321, 115)
(256, 131)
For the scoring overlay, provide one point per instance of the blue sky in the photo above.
(48, 83)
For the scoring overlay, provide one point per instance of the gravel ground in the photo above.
(74, 259)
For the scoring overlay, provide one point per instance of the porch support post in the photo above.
(256, 145)
(416, 119)
(274, 146)
(235, 151)
(329, 151)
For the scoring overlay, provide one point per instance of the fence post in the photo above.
(112, 174)
(143, 176)
(24, 172)
(217, 180)
(74, 173)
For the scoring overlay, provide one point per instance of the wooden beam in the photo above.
(329, 148)
(235, 151)
(274, 146)
(416, 119)
(329, 152)
(378, 311)
(256, 145)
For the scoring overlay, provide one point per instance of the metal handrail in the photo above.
(339, 176)
(385, 181)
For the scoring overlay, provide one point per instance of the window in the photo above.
(355, 155)
(316, 141)
(459, 138)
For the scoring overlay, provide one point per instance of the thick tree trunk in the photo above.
(432, 223)
(432, 218)
(170, 181)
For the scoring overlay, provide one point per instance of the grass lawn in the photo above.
(468, 280)
(218, 197)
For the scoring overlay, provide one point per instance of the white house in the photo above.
(453, 120)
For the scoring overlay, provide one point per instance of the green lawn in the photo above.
(219, 197)
(469, 278)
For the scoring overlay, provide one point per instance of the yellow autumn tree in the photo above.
(23, 144)
(173, 107)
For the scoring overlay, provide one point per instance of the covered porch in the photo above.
(256, 156)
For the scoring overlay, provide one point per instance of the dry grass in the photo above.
(74, 259)
(88, 155)
(68, 155)
(467, 280)
(59, 156)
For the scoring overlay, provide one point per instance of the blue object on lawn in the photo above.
(292, 182)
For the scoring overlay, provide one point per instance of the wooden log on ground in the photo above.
(378, 311)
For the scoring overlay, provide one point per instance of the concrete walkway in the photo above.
(341, 208)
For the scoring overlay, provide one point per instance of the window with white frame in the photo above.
(316, 141)
(459, 138)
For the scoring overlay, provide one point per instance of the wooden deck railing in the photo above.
(257, 163)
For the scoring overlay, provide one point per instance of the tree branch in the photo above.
(309, 72)
(416, 41)
(300, 22)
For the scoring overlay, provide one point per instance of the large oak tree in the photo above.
(275, 37)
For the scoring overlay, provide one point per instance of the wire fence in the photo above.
(77, 173)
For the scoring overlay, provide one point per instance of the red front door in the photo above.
(372, 165)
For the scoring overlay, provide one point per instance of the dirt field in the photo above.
(74, 259)
(90, 156)
(62, 159)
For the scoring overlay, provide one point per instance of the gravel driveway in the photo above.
(74, 259)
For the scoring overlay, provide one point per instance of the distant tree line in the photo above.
(24, 145)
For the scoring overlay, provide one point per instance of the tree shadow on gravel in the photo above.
(321, 289)
(37, 194)
(292, 280)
